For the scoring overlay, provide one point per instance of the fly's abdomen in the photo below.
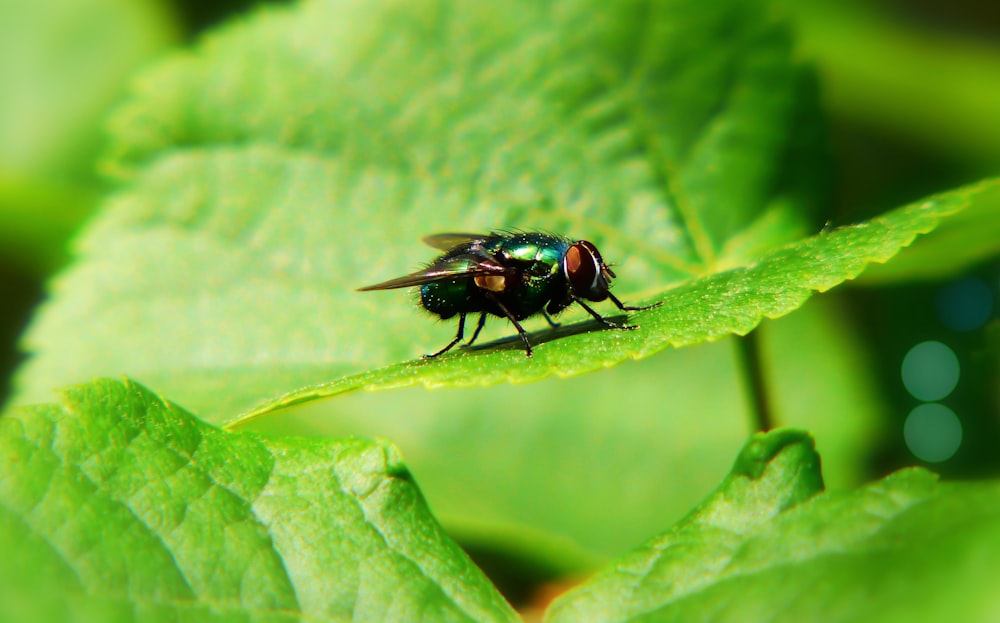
(447, 297)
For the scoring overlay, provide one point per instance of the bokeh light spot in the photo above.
(932, 432)
(930, 371)
(965, 304)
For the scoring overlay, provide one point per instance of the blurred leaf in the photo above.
(301, 154)
(62, 65)
(115, 505)
(38, 217)
(906, 548)
(663, 431)
(917, 79)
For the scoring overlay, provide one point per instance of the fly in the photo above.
(513, 276)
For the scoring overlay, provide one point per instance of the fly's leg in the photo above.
(548, 318)
(458, 338)
(517, 325)
(623, 307)
(601, 319)
(479, 327)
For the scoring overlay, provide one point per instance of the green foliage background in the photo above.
(252, 177)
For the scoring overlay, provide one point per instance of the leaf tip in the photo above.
(787, 459)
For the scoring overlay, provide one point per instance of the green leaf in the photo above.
(301, 154)
(62, 65)
(970, 237)
(765, 545)
(644, 423)
(700, 310)
(116, 505)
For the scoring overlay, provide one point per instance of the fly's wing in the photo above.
(468, 265)
(449, 241)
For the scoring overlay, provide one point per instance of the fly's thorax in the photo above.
(536, 257)
(532, 263)
(533, 276)
(540, 252)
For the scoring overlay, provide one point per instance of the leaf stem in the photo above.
(748, 352)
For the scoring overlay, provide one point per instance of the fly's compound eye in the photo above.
(586, 272)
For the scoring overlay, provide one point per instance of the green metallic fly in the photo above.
(510, 275)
